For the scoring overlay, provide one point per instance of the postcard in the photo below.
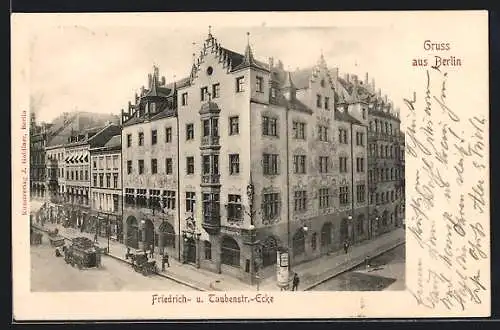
(250, 165)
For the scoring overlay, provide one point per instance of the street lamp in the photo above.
(352, 227)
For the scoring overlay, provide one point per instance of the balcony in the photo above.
(210, 142)
(210, 179)
(211, 224)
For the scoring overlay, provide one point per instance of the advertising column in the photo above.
(282, 275)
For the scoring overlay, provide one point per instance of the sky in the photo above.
(99, 68)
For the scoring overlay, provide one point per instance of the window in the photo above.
(327, 103)
(234, 125)
(318, 101)
(204, 93)
(95, 180)
(141, 166)
(168, 134)
(94, 164)
(76, 174)
(234, 164)
(154, 137)
(129, 140)
(206, 127)
(273, 92)
(154, 166)
(141, 138)
(360, 193)
(344, 195)
(108, 180)
(299, 164)
(269, 126)
(360, 138)
(189, 165)
(141, 198)
(300, 201)
(184, 98)
(169, 199)
(342, 135)
(190, 201)
(189, 132)
(392, 195)
(360, 164)
(129, 167)
(234, 211)
(215, 91)
(205, 164)
(86, 175)
(324, 198)
(342, 164)
(259, 84)
(299, 130)
(240, 84)
(168, 166)
(364, 113)
(115, 162)
(115, 180)
(129, 196)
(323, 133)
(208, 250)
(101, 180)
(323, 164)
(270, 164)
(271, 206)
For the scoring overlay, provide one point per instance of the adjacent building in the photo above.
(38, 140)
(106, 187)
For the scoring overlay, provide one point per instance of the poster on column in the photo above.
(339, 121)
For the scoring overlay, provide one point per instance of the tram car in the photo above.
(82, 254)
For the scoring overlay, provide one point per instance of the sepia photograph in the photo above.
(233, 156)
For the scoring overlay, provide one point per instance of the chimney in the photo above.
(373, 84)
(150, 79)
(379, 92)
(385, 98)
(347, 77)
(271, 63)
(335, 73)
(366, 79)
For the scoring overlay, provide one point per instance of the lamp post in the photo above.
(351, 225)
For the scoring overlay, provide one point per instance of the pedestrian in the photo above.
(95, 237)
(164, 260)
(295, 283)
(346, 246)
(151, 251)
(128, 253)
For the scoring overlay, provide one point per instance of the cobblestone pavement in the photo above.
(52, 274)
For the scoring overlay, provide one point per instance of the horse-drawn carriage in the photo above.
(55, 239)
(82, 253)
(141, 263)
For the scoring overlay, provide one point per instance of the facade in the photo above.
(106, 187)
(77, 170)
(243, 158)
(38, 140)
(151, 208)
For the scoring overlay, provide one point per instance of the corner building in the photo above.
(241, 158)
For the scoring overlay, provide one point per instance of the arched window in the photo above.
(230, 252)
(299, 242)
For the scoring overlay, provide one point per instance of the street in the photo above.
(386, 272)
(52, 274)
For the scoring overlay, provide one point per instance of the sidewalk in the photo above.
(312, 273)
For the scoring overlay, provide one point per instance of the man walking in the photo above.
(164, 260)
(346, 246)
(95, 237)
(295, 283)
